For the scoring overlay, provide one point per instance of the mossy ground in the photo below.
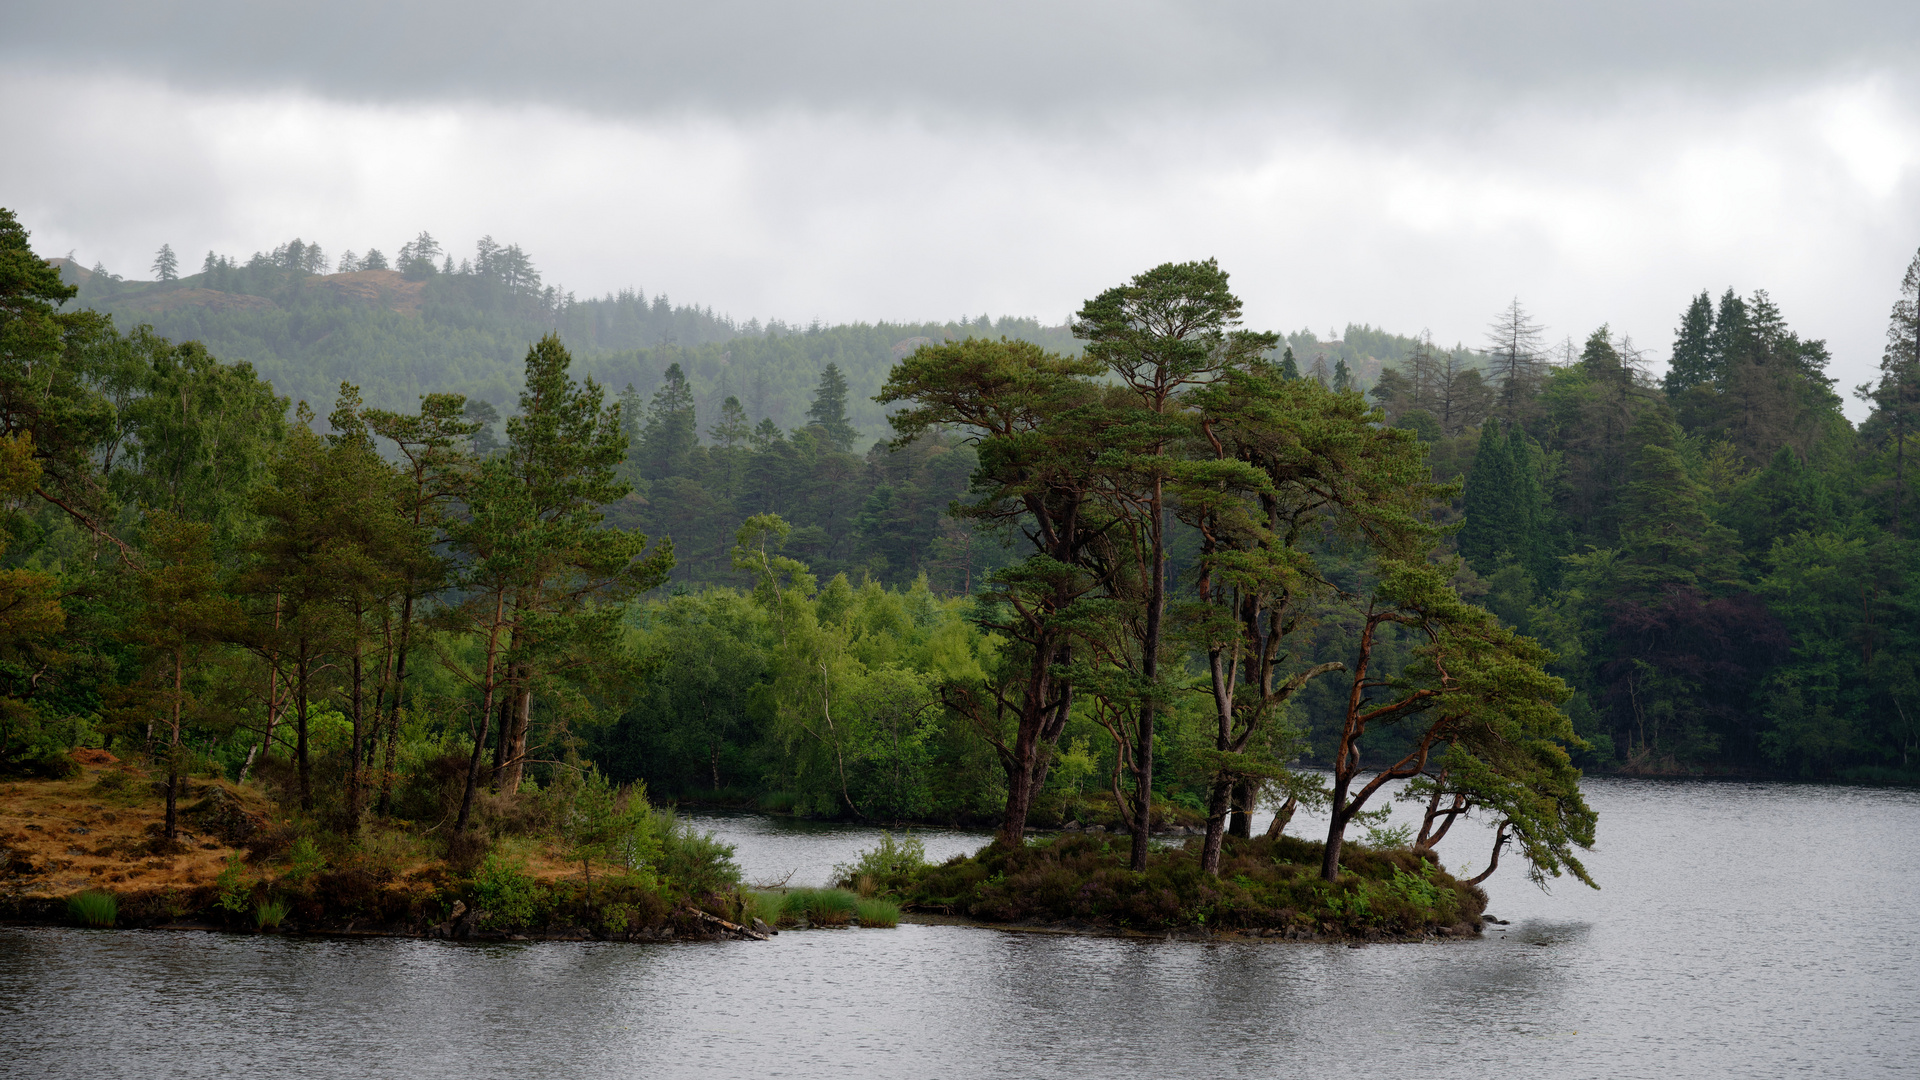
(1269, 887)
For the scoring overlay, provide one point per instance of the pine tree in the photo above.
(1289, 367)
(1732, 340)
(1528, 539)
(1898, 395)
(1692, 347)
(829, 409)
(670, 433)
(1495, 516)
(1515, 344)
(1665, 530)
(166, 266)
(733, 429)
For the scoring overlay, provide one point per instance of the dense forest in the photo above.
(1145, 562)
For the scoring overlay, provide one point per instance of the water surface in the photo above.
(1743, 930)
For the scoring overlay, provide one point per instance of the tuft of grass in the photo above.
(820, 907)
(881, 914)
(94, 908)
(269, 914)
(762, 905)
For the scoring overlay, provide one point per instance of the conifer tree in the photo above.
(166, 266)
(829, 410)
(1693, 357)
(1289, 367)
(1514, 341)
(1898, 394)
(1491, 502)
(670, 433)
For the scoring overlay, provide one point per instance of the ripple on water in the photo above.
(1744, 929)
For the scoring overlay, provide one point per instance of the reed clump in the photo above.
(269, 914)
(819, 907)
(94, 908)
(878, 914)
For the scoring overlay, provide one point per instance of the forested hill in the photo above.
(424, 323)
(465, 327)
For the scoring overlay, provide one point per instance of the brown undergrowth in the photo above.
(239, 851)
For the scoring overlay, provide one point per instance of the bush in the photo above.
(892, 865)
(235, 893)
(94, 908)
(692, 863)
(509, 896)
(883, 914)
(303, 860)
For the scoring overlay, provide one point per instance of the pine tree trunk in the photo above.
(1150, 668)
(173, 750)
(1240, 825)
(1218, 806)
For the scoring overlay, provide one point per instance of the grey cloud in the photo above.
(1044, 63)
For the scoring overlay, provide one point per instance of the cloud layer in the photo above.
(1409, 164)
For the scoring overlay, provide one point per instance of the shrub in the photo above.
(507, 894)
(693, 863)
(303, 860)
(94, 908)
(779, 802)
(234, 890)
(883, 914)
(892, 864)
(269, 914)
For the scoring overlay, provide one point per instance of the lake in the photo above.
(1742, 929)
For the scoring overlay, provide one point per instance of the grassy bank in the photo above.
(90, 849)
(1267, 888)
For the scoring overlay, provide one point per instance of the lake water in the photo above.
(1742, 930)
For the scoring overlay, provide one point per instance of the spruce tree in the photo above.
(1898, 394)
(1666, 534)
(670, 433)
(1289, 367)
(1527, 539)
(166, 266)
(1692, 347)
(829, 409)
(1490, 502)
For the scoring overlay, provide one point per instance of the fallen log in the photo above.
(731, 927)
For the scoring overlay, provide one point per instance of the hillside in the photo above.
(465, 329)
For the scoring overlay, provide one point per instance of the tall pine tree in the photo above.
(1693, 361)
(829, 410)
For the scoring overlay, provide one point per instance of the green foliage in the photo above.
(507, 894)
(1263, 884)
(236, 892)
(304, 859)
(877, 914)
(93, 908)
(820, 907)
(695, 864)
(269, 913)
(889, 865)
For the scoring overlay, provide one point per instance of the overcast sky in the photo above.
(1409, 165)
